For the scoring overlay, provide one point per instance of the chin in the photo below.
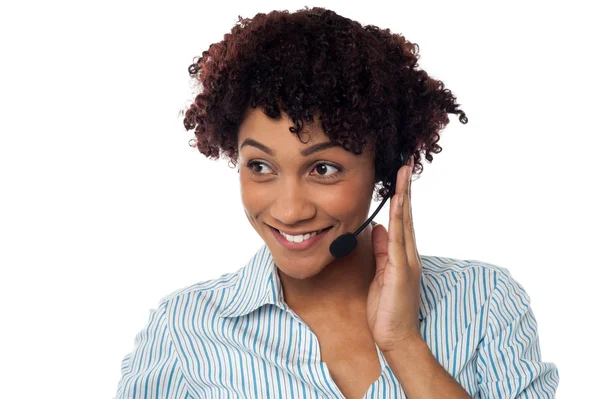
(297, 267)
(299, 273)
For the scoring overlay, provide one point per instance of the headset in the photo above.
(346, 243)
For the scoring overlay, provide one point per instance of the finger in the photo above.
(379, 237)
(396, 237)
(409, 232)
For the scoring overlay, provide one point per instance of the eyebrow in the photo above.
(306, 152)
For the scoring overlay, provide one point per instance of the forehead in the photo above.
(276, 136)
(259, 126)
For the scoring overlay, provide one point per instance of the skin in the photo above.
(393, 303)
(379, 280)
(290, 193)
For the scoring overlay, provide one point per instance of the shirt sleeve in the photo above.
(152, 369)
(509, 363)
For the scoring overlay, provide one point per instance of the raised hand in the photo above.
(393, 298)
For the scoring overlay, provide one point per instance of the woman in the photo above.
(319, 111)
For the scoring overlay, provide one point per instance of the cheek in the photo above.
(251, 202)
(342, 201)
(254, 197)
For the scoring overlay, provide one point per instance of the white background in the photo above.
(105, 208)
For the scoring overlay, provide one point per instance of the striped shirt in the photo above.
(235, 337)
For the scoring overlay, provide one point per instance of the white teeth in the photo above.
(299, 238)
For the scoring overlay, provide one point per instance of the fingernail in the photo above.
(410, 170)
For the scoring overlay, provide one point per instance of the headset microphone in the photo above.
(346, 243)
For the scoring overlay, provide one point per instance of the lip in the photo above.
(299, 246)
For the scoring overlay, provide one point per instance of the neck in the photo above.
(342, 284)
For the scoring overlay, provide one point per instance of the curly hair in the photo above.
(362, 83)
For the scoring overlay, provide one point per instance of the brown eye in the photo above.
(256, 167)
(322, 167)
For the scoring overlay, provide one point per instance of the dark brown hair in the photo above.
(361, 81)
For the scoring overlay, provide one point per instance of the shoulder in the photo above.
(200, 289)
(468, 280)
(436, 268)
(439, 264)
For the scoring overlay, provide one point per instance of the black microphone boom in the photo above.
(346, 243)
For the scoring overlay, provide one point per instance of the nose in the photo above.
(292, 205)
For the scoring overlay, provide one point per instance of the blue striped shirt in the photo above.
(235, 337)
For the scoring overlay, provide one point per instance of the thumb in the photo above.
(379, 238)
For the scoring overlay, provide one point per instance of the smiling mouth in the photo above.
(299, 244)
(310, 235)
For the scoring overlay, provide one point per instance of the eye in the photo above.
(321, 169)
(250, 165)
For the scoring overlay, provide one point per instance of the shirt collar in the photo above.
(258, 284)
